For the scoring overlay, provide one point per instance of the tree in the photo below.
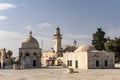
(9, 54)
(99, 39)
(113, 45)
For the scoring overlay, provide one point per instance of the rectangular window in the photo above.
(67, 62)
(97, 63)
(70, 62)
(106, 63)
(76, 64)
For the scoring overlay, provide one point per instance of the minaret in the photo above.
(57, 40)
(30, 34)
(74, 43)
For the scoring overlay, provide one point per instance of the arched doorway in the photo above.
(27, 59)
(34, 60)
(34, 63)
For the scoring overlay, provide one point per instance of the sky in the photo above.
(77, 19)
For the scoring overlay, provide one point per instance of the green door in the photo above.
(76, 64)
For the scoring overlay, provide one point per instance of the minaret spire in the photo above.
(30, 34)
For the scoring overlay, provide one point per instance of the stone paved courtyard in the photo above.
(55, 73)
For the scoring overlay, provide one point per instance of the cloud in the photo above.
(11, 40)
(28, 27)
(111, 30)
(44, 25)
(81, 39)
(5, 6)
(10, 35)
(83, 36)
(2, 18)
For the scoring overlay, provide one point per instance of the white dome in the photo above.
(30, 42)
(85, 48)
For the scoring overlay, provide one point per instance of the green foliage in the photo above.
(113, 45)
(110, 46)
(99, 39)
(9, 54)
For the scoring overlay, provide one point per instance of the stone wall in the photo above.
(101, 57)
(87, 60)
(80, 57)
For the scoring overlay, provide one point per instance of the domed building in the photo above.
(87, 57)
(30, 53)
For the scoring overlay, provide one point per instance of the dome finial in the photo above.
(57, 28)
(30, 33)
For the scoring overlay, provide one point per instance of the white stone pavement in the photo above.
(58, 73)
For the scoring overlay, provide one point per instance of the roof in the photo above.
(85, 48)
(30, 42)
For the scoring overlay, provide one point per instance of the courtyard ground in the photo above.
(59, 73)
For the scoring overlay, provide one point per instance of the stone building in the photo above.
(57, 42)
(2, 57)
(29, 53)
(49, 57)
(87, 57)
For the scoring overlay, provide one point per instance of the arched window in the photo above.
(27, 54)
(35, 54)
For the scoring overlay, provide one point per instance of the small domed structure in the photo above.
(30, 53)
(85, 48)
(30, 42)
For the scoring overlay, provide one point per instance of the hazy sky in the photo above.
(78, 19)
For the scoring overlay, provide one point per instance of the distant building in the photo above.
(49, 57)
(2, 57)
(57, 42)
(29, 53)
(83, 57)
(87, 57)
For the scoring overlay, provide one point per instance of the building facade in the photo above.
(50, 57)
(29, 53)
(57, 42)
(87, 57)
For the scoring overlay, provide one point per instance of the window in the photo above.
(70, 62)
(76, 64)
(27, 54)
(35, 54)
(97, 63)
(106, 63)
